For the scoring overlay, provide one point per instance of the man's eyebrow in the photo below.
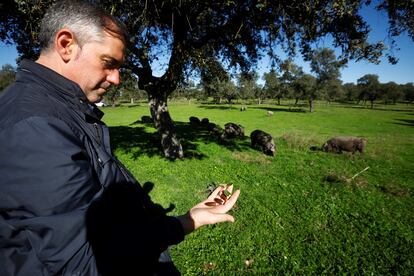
(112, 61)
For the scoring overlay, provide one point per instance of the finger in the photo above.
(224, 185)
(215, 192)
(230, 188)
(232, 200)
(223, 218)
(221, 209)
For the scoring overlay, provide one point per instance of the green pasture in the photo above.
(301, 212)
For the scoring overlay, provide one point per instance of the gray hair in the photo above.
(87, 21)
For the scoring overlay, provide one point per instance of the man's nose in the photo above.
(114, 77)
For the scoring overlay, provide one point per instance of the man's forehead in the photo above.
(112, 48)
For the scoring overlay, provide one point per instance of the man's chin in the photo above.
(95, 99)
(99, 95)
(95, 96)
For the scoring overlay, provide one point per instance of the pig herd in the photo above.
(259, 139)
(264, 142)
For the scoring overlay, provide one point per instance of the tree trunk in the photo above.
(159, 88)
(311, 105)
(278, 100)
(296, 101)
(164, 124)
(372, 104)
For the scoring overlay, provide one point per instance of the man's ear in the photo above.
(66, 44)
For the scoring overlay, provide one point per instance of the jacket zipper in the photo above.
(98, 133)
(100, 141)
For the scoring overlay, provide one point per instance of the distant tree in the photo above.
(227, 90)
(133, 96)
(370, 88)
(333, 90)
(260, 95)
(130, 89)
(247, 85)
(289, 73)
(391, 92)
(221, 89)
(351, 91)
(408, 90)
(305, 85)
(272, 86)
(112, 96)
(7, 76)
(327, 69)
(325, 65)
(188, 90)
(201, 94)
(210, 77)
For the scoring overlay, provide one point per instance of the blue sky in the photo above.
(402, 72)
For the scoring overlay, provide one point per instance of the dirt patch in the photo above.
(250, 158)
(354, 181)
(294, 140)
(395, 190)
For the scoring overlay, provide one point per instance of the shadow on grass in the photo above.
(288, 108)
(124, 226)
(405, 122)
(294, 109)
(376, 108)
(138, 141)
(221, 107)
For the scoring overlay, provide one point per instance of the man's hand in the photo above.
(212, 210)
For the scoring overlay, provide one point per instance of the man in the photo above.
(67, 205)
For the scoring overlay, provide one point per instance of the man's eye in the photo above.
(109, 64)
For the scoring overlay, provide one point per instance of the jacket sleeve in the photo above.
(46, 182)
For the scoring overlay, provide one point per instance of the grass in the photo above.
(299, 212)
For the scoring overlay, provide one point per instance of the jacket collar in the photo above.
(60, 85)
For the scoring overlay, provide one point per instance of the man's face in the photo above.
(96, 66)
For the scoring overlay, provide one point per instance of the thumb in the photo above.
(223, 218)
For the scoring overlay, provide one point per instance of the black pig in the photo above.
(214, 129)
(194, 120)
(205, 121)
(146, 119)
(232, 130)
(263, 141)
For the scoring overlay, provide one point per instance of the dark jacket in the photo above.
(67, 206)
